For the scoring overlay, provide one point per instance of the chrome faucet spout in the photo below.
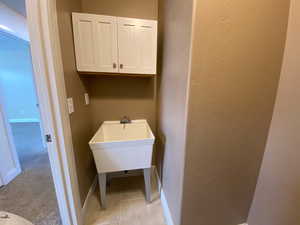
(125, 120)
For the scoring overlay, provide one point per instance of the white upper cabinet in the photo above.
(128, 45)
(106, 50)
(137, 44)
(147, 40)
(115, 44)
(84, 41)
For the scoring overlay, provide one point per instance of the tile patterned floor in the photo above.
(126, 204)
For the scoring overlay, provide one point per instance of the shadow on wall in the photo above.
(160, 141)
(160, 144)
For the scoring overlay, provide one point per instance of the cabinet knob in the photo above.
(114, 65)
(121, 66)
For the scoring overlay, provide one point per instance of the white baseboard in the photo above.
(166, 209)
(244, 224)
(164, 202)
(88, 198)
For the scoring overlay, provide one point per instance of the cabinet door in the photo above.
(105, 48)
(128, 45)
(137, 44)
(147, 40)
(83, 28)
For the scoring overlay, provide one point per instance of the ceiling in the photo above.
(16, 5)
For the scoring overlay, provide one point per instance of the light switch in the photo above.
(86, 98)
(70, 105)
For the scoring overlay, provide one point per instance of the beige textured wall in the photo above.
(81, 123)
(143, 9)
(175, 17)
(277, 198)
(236, 62)
(115, 97)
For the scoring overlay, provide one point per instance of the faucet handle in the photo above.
(125, 119)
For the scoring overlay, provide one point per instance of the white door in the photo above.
(147, 39)
(128, 45)
(9, 162)
(83, 28)
(106, 49)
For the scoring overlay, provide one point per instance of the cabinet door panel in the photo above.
(106, 44)
(128, 45)
(83, 28)
(147, 36)
(137, 44)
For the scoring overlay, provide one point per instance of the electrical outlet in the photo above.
(70, 105)
(86, 98)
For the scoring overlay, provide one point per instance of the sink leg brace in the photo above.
(102, 186)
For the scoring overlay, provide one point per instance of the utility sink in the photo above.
(119, 147)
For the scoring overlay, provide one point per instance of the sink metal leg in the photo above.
(147, 178)
(102, 186)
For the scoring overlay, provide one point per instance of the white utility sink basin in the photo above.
(118, 147)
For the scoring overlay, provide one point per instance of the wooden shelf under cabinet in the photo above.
(84, 73)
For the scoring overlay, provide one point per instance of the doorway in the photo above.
(27, 187)
(19, 100)
(45, 48)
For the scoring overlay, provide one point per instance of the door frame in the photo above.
(51, 92)
(7, 122)
(5, 179)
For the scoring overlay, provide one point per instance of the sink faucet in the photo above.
(125, 120)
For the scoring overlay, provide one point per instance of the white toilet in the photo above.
(12, 219)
